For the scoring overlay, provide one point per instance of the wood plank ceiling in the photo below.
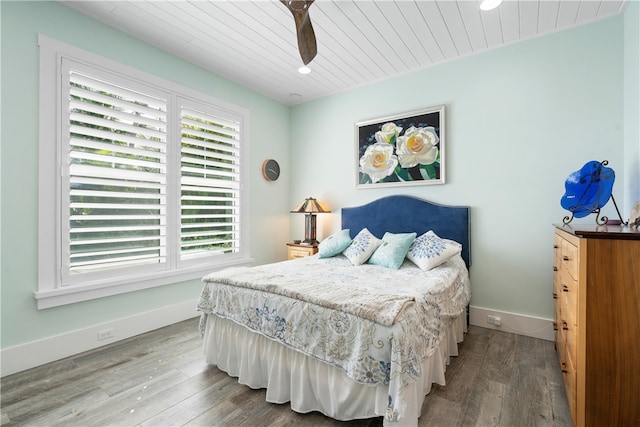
(253, 42)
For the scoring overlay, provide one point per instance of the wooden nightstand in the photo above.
(295, 250)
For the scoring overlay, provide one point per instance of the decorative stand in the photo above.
(599, 220)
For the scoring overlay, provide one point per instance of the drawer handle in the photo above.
(565, 326)
(565, 258)
(555, 296)
(555, 326)
(563, 367)
(555, 268)
(555, 246)
(565, 288)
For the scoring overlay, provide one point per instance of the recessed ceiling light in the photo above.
(489, 4)
(295, 96)
(304, 70)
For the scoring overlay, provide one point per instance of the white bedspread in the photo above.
(381, 328)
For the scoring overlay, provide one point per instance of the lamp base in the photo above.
(310, 230)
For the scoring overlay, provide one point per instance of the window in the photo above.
(141, 180)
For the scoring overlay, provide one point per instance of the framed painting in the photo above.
(402, 149)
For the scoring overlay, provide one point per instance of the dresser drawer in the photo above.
(557, 258)
(561, 343)
(569, 303)
(557, 316)
(571, 345)
(570, 259)
(557, 282)
(568, 337)
(557, 278)
(570, 376)
(566, 356)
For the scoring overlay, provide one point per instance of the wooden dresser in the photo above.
(596, 291)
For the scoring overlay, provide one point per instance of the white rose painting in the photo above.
(405, 149)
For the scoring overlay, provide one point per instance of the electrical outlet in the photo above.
(105, 334)
(494, 320)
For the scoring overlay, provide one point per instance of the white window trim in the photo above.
(49, 293)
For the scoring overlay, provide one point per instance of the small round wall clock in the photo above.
(270, 170)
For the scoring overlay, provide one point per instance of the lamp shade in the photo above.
(309, 205)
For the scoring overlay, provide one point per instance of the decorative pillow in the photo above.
(393, 249)
(429, 250)
(334, 244)
(362, 246)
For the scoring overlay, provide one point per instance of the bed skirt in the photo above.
(312, 385)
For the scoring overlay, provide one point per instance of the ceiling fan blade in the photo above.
(306, 36)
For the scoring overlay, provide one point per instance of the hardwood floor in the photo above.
(160, 379)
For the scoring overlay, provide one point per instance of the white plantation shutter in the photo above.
(117, 176)
(210, 182)
(140, 179)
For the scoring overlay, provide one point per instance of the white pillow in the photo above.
(429, 250)
(362, 246)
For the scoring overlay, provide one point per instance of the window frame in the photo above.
(50, 292)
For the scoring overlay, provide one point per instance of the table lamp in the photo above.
(310, 207)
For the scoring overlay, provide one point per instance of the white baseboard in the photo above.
(529, 326)
(35, 353)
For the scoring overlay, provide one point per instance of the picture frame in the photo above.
(401, 149)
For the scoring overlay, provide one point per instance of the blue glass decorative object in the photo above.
(588, 190)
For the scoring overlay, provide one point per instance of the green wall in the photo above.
(21, 22)
(632, 105)
(519, 119)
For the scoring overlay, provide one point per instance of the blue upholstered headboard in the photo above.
(405, 214)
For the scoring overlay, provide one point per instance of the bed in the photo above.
(350, 341)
